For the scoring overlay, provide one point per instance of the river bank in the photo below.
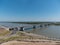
(24, 38)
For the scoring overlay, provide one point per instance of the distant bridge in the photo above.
(22, 28)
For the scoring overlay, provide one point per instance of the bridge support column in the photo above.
(21, 28)
(45, 25)
(48, 24)
(34, 27)
(41, 26)
(16, 29)
(10, 29)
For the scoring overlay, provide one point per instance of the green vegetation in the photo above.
(18, 36)
(4, 33)
(32, 22)
(56, 23)
(15, 38)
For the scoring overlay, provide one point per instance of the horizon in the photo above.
(30, 10)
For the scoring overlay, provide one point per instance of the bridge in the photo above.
(22, 28)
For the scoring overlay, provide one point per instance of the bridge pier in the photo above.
(16, 29)
(41, 25)
(46, 25)
(21, 28)
(10, 29)
(34, 27)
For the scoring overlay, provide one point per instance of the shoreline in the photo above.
(33, 35)
(40, 36)
(32, 40)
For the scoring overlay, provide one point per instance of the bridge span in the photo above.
(22, 28)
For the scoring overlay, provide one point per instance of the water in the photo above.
(51, 31)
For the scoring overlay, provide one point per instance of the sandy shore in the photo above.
(37, 39)
(30, 43)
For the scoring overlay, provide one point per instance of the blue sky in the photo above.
(29, 10)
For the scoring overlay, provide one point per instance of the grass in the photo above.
(32, 22)
(15, 38)
(18, 36)
(5, 33)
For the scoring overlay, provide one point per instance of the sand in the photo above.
(28, 43)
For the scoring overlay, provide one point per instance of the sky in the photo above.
(29, 10)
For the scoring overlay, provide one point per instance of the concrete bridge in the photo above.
(22, 28)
